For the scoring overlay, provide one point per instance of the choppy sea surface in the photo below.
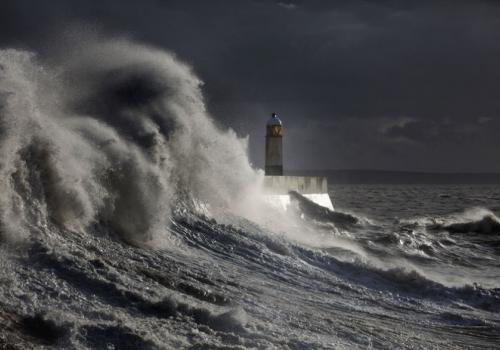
(419, 269)
(130, 220)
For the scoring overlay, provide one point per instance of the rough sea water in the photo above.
(130, 220)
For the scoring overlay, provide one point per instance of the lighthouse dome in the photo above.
(274, 120)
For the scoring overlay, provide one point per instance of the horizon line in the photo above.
(399, 171)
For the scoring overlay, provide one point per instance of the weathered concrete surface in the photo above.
(315, 188)
(301, 184)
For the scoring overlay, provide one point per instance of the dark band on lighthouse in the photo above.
(274, 146)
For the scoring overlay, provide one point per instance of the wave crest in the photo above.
(113, 131)
(475, 220)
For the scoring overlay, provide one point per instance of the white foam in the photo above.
(282, 201)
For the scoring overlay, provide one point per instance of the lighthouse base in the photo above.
(314, 188)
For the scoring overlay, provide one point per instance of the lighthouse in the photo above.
(274, 146)
(282, 190)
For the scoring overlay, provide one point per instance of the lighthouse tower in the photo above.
(274, 146)
(282, 190)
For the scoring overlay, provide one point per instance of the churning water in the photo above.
(129, 220)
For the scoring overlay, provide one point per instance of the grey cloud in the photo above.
(353, 64)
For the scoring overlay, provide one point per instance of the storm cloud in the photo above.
(358, 84)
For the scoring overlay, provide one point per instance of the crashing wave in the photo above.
(473, 220)
(487, 225)
(115, 132)
(477, 220)
(318, 212)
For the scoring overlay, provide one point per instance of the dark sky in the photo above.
(358, 84)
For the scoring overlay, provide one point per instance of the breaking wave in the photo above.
(314, 211)
(108, 151)
(477, 220)
(114, 132)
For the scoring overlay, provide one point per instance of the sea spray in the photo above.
(113, 135)
(112, 131)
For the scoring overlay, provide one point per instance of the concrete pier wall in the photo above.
(315, 188)
(300, 184)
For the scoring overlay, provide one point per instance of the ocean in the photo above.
(129, 220)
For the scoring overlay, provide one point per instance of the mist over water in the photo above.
(129, 219)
